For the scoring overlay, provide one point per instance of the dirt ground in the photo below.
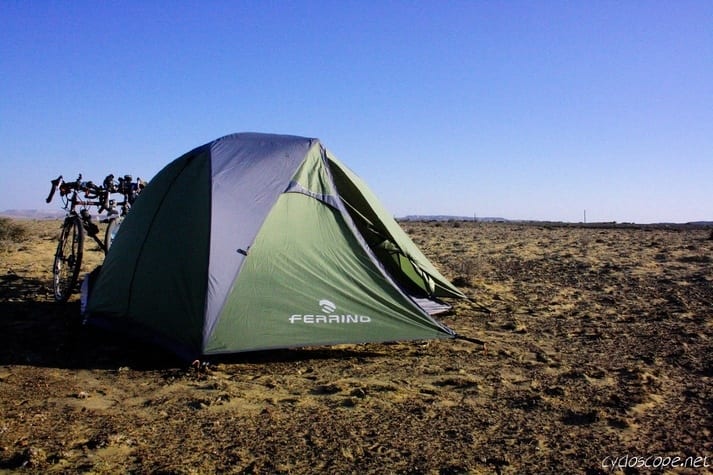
(598, 352)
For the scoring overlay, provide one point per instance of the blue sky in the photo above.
(518, 109)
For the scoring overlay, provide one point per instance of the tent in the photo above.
(260, 241)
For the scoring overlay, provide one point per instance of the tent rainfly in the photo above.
(260, 241)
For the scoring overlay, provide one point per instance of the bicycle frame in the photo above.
(85, 217)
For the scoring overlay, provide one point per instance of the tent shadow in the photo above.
(46, 334)
(293, 355)
(36, 331)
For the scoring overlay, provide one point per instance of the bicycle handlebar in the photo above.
(92, 191)
(55, 184)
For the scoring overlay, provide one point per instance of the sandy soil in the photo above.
(598, 346)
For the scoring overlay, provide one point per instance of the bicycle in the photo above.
(70, 248)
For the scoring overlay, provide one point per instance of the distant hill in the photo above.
(57, 214)
(489, 219)
(32, 214)
(440, 217)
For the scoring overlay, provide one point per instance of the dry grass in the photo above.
(598, 344)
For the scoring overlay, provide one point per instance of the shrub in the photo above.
(11, 232)
(465, 269)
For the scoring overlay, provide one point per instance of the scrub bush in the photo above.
(11, 233)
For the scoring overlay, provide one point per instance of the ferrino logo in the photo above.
(329, 315)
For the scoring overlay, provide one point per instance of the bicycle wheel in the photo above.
(68, 258)
(111, 230)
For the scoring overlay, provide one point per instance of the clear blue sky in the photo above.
(518, 109)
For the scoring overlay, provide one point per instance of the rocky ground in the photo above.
(593, 347)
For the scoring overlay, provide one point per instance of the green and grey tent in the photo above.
(259, 241)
